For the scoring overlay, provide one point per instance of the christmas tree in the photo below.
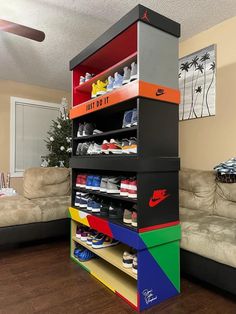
(59, 140)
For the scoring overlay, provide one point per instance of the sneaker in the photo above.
(101, 87)
(118, 79)
(79, 230)
(90, 149)
(127, 217)
(96, 131)
(103, 186)
(84, 197)
(96, 183)
(115, 147)
(84, 235)
(127, 259)
(78, 149)
(124, 187)
(83, 179)
(103, 241)
(134, 120)
(80, 130)
(90, 203)
(97, 149)
(125, 146)
(88, 76)
(134, 222)
(84, 148)
(104, 209)
(134, 74)
(77, 199)
(78, 250)
(135, 265)
(133, 145)
(110, 83)
(89, 182)
(132, 188)
(78, 181)
(105, 147)
(94, 90)
(86, 255)
(127, 119)
(113, 185)
(115, 211)
(92, 233)
(96, 206)
(88, 129)
(81, 80)
(126, 77)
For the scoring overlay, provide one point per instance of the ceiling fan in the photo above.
(21, 30)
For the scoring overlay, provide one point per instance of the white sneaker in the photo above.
(134, 74)
(97, 149)
(88, 77)
(126, 77)
(90, 149)
(81, 80)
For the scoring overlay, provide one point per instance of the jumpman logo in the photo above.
(145, 16)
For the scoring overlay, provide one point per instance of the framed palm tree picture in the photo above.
(197, 77)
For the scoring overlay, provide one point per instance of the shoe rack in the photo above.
(151, 40)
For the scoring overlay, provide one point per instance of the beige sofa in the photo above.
(208, 220)
(42, 210)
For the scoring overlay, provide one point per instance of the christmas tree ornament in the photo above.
(69, 150)
(51, 139)
(59, 126)
(62, 148)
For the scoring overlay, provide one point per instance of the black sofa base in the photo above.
(34, 231)
(217, 274)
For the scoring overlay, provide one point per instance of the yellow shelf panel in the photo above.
(112, 277)
(112, 254)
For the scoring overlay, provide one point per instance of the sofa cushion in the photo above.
(210, 236)
(197, 189)
(17, 210)
(225, 200)
(53, 208)
(46, 182)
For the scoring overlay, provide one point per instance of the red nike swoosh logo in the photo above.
(155, 202)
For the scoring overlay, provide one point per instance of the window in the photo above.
(30, 122)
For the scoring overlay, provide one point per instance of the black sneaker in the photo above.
(88, 129)
(80, 130)
(115, 211)
(84, 148)
(104, 210)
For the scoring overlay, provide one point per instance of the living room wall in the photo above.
(207, 141)
(11, 88)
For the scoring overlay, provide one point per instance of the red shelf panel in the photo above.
(86, 87)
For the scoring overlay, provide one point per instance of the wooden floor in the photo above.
(40, 278)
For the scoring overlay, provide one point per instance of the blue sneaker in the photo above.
(96, 206)
(134, 120)
(110, 83)
(89, 182)
(84, 197)
(118, 80)
(127, 120)
(96, 183)
(90, 203)
(77, 199)
(86, 255)
(78, 250)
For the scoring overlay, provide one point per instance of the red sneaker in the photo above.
(78, 180)
(105, 147)
(132, 188)
(115, 147)
(124, 184)
(83, 181)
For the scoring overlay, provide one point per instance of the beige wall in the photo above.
(8, 89)
(208, 141)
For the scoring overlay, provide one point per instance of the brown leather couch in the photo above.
(41, 211)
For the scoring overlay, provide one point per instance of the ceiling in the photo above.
(70, 25)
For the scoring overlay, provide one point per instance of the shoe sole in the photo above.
(103, 190)
(113, 191)
(77, 204)
(101, 93)
(95, 188)
(127, 265)
(105, 152)
(83, 239)
(83, 206)
(127, 221)
(101, 246)
(123, 193)
(96, 210)
(134, 224)
(116, 151)
(126, 81)
(132, 195)
(134, 271)
(133, 77)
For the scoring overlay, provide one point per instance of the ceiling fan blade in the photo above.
(21, 30)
